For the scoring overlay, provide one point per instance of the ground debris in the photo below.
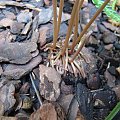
(48, 111)
(7, 97)
(8, 118)
(30, 89)
(13, 71)
(49, 83)
(6, 22)
(84, 98)
(18, 53)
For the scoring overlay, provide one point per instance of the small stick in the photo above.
(75, 7)
(55, 21)
(32, 77)
(59, 21)
(86, 28)
(76, 25)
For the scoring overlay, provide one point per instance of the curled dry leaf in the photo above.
(26, 102)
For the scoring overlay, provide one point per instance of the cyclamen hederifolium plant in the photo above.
(109, 10)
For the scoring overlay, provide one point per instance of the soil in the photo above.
(31, 89)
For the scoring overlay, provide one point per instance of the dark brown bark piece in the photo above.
(16, 27)
(13, 71)
(7, 96)
(84, 98)
(50, 82)
(48, 111)
(18, 53)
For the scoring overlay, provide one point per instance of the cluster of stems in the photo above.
(73, 22)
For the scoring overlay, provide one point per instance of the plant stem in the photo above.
(115, 110)
(60, 15)
(75, 30)
(75, 7)
(86, 28)
(54, 21)
(76, 25)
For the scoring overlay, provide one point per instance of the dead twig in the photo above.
(32, 78)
